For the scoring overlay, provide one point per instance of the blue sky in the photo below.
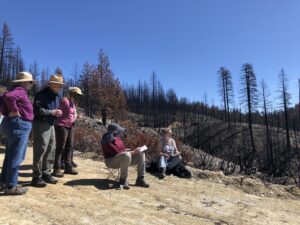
(184, 42)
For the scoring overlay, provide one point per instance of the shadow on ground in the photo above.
(102, 184)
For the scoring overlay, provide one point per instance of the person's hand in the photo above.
(167, 156)
(14, 114)
(135, 151)
(178, 153)
(56, 112)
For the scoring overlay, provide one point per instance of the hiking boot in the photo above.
(140, 181)
(49, 179)
(75, 165)
(38, 182)
(57, 173)
(16, 190)
(71, 171)
(124, 184)
(62, 166)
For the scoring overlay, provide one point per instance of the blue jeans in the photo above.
(16, 131)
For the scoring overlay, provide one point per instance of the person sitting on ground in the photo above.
(64, 133)
(169, 154)
(16, 127)
(117, 156)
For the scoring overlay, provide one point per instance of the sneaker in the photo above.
(71, 170)
(57, 173)
(49, 179)
(38, 182)
(124, 184)
(140, 181)
(16, 190)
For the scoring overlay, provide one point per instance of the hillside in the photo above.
(208, 198)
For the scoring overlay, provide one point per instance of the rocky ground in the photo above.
(208, 198)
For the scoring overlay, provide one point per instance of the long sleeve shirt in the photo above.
(16, 100)
(113, 148)
(68, 117)
(44, 102)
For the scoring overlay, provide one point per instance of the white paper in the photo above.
(143, 148)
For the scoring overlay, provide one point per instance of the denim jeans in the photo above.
(16, 130)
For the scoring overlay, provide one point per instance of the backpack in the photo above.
(181, 171)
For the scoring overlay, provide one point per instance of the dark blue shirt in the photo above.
(44, 102)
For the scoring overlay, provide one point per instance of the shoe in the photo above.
(140, 181)
(38, 182)
(124, 184)
(2, 187)
(75, 165)
(62, 165)
(49, 179)
(70, 170)
(57, 173)
(161, 176)
(16, 190)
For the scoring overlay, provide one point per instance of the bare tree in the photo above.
(285, 102)
(226, 91)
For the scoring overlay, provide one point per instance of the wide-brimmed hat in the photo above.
(75, 90)
(23, 77)
(113, 126)
(56, 79)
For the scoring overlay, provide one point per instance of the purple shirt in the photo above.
(68, 114)
(16, 100)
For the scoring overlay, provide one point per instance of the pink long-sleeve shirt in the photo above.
(68, 109)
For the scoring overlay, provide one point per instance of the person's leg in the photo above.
(61, 135)
(41, 136)
(68, 153)
(121, 161)
(48, 159)
(6, 130)
(16, 154)
(162, 167)
(139, 160)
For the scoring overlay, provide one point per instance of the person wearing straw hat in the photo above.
(64, 131)
(16, 126)
(46, 111)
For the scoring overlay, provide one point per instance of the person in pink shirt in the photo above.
(64, 132)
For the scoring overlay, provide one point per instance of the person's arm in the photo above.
(175, 147)
(11, 99)
(38, 104)
(40, 110)
(135, 151)
(160, 147)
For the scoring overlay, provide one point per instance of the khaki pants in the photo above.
(124, 160)
(43, 148)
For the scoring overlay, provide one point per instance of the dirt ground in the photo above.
(89, 198)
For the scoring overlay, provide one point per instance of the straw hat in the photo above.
(56, 79)
(23, 77)
(75, 90)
